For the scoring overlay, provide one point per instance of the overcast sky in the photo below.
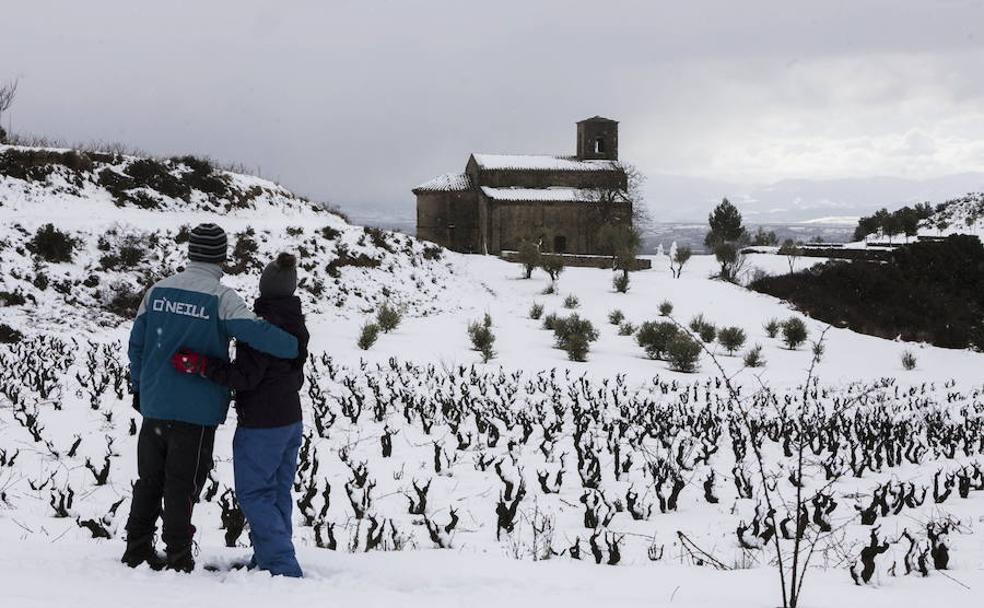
(357, 102)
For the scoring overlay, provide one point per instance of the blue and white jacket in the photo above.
(193, 310)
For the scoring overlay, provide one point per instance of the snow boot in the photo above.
(141, 551)
(180, 560)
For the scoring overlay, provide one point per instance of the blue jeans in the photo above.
(264, 462)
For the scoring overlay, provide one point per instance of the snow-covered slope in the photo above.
(127, 219)
(962, 215)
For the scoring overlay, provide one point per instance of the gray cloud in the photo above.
(358, 101)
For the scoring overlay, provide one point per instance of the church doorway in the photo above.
(560, 244)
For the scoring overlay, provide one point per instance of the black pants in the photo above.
(173, 461)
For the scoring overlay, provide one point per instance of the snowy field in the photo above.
(521, 344)
(470, 565)
(87, 575)
(431, 479)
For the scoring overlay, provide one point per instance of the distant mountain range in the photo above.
(835, 201)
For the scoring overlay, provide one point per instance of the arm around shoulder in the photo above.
(242, 324)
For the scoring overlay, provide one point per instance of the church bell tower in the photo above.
(597, 139)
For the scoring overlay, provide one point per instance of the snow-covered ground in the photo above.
(473, 568)
(88, 575)
(522, 344)
(963, 215)
(472, 432)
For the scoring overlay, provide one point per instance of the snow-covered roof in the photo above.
(449, 182)
(542, 162)
(544, 195)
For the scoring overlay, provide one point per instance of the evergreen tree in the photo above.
(725, 238)
(725, 224)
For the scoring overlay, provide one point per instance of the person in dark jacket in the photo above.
(174, 449)
(268, 408)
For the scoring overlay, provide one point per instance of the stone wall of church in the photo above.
(450, 219)
(582, 261)
(564, 227)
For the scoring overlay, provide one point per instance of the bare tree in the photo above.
(621, 236)
(792, 250)
(635, 180)
(678, 259)
(8, 92)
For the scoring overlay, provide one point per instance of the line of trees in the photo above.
(891, 223)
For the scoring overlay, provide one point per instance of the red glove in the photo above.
(188, 362)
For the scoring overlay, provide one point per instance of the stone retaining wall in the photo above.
(582, 261)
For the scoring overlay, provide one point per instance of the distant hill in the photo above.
(685, 199)
(961, 215)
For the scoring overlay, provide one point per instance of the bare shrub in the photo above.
(482, 338)
(753, 357)
(772, 327)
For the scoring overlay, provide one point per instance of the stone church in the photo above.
(558, 201)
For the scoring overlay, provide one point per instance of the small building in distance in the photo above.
(560, 202)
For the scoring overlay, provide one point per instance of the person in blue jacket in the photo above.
(268, 408)
(180, 412)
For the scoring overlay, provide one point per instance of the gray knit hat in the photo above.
(279, 278)
(208, 244)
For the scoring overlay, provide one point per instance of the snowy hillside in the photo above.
(429, 478)
(963, 215)
(125, 221)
